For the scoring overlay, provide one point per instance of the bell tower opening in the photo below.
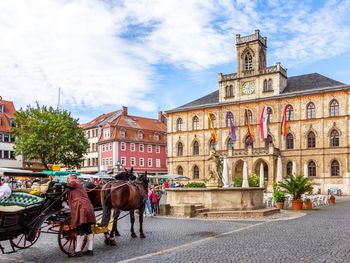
(251, 53)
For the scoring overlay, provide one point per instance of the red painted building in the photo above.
(131, 141)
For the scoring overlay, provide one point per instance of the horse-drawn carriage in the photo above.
(28, 213)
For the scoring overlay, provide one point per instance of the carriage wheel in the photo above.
(22, 242)
(67, 238)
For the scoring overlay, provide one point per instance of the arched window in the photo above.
(229, 91)
(212, 145)
(195, 123)
(180, 170)
(179, 124)
(248, 142)
(268, 140)
(311, 168)
(335, 168)
(250, 116)
(228, 124)
(334, 108)
(269, 114)
(180, 149)
(229, 144)
(289, 167)
(195, 172)
(269, 85)
(334, 139)
(248, 61)
(195, 148)
(311, 111)
(265, 86)
(311, 140)
(290, 113)
(289, 141)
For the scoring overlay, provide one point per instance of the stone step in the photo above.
(243, 213)
(202, 210)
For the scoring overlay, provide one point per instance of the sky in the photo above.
(153, 55)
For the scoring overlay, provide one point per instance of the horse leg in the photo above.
(114, 228)
(132, 220)
(141, 209)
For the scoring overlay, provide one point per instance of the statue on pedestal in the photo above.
(215, 170)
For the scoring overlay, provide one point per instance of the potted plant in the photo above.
(297, 185)
(279, 197)
(307, 203)
(332, 199)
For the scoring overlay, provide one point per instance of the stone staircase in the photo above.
(238, 213)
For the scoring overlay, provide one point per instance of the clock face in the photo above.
(248, 88)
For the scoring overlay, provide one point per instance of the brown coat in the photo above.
(81, 208)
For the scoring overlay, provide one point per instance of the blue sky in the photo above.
(155, 55)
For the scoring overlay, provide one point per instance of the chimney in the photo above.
(125, 111)
(160, 116)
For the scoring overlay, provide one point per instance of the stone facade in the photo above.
(253, 87)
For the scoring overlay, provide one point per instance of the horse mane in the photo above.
(126, 175)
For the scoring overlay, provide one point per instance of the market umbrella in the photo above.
(245, 183)
(279, 169)
(305, 170)
(261, 181)
(294, 167)
(225, 173)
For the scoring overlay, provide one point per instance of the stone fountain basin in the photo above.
(237, 198)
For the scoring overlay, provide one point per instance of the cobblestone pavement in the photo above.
(320, 236)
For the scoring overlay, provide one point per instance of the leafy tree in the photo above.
(49, 135)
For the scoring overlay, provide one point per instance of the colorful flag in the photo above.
(248, 125)
(214, 137)
(263, 123)
(284, 121)
(233, 131)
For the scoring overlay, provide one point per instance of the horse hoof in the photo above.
(117, 234)
(107, 240)
(142, 235)
(133, 235)
(112, 242)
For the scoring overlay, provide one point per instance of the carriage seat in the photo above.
(21, 199)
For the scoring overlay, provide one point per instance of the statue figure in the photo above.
(215, 170)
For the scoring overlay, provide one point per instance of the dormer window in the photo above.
(122, 133)
(248, 61)
(2, 108)
(156, 136)
(106, 134)
(140, 135)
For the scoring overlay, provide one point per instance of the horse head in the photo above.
(144, 179)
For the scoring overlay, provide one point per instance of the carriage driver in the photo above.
(83, 216)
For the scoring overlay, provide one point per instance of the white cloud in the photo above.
(105, 54)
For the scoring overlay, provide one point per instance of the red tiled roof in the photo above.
(132, 125)
(9, 113)
(97, 120)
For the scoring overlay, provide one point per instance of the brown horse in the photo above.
(126, 196)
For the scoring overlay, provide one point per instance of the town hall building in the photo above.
(317, 115)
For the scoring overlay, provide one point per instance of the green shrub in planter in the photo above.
(196, 185)
(279, 196)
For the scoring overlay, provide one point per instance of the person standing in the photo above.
(5, 190)
(155, 203)
(82, 215)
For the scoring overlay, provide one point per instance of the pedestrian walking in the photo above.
(82, 216)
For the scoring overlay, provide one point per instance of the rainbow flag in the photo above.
(284, 121)
(214, 136)
(248, 125)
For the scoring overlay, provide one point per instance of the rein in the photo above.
(105, 189)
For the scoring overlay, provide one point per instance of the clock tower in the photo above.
(251, 54)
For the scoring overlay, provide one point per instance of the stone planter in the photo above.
(297, 205)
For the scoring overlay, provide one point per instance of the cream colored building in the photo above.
(317, 123)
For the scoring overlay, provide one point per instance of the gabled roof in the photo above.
(95, 122)
(307, 82)
(9, 113)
